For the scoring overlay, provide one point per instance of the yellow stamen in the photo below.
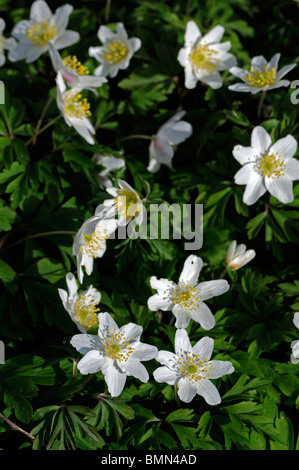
(260, 79)
(41, 33)
(95, 242)
(203, 57)
(115, 52)
(85, 311)
(271, 166)
(72, 63)
(193, 367)
(186, 296)
(125, 200)
(74, 106)
(116, 347)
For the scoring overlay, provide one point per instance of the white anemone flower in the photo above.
(81, 307)
(169, 135)
(90, 242)
(116, 52)
(74, 109)
(262, 75)
(110, 164)
(75, 74)
(116, 352)
(237, 256)
(5, 43)
(34, 35)
(295, 344)
(267, 167)
(186, 299)
(203, 57)
(126, 204)
(191, 369)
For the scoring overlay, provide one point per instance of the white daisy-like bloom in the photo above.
(116, 52)
(75, 74)
(203, 57)
(116, 352)
(90, 242)
(186, 299)
(267, 167)
(5, 43)
(262, 75)
(237, 256)
(110, 164)
(126, 204)
(191, 369)
(295, 344)
(81, 307)
(163, 144)
(33, 35)
(75, 109)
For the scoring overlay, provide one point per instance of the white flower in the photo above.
(237, 257)
(5, 43)
(186, 299)
(74, 109)
(170, 134)
(262, 75)
(295, 344)
(116, 52)
(81, 308)
(34, 34)
(204, 56)
(190, 368)
(267, 167)
(90, 241)
(126, 203)
(109, 163)
(73, 72)
(116, 352)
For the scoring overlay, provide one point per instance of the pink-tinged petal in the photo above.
(260, 139)
(281, 188)
(182, 342)
(191, 270)
(215, 35)
(255, 188)
(186, 390)
(285, 147)
(208, 391)
(192, 33)
(244, 154)
(204, 348)
(40, 11)
(163, 374)
(203, 316)
(220, 368)
(244, 175)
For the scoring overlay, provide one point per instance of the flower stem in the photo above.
(223, 273)
(176, 397)
(50, 123)
(43, 234)
(187, 12)
(15, 427)
(259, 109)
(107, 10)
(41, 118)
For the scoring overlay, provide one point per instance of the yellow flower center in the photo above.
(41, 33)
(75, 106)
(259, 79)
(116, 346)
(271, 166)
(72, 63)
(115, 52)
(95, 242)
(85, 311)
(194, 368)
(186, 296)
(125, 200)
(204, 58)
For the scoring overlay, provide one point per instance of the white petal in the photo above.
(214, 80)
(106, 324)
(182, 342)
(260, 139)
(167, 358)
(84, 343)
(135, 44)
(244, 154)
(284, 70)
(182, 316)
(183, 56)
(245, 173)
(220, 368)
(258, 62)
(144, 352)
(296, 319)
(135, 368)
(61, 17)
(190, 78)
(204, 347)
(191, 270)
(156, 302)
(163, 374)
(66, 39)
(92, 362)
(115, 380)
(105, 34)
(132, 332)
(285, 147)
(274, 61)
(178, 132)
(242, 87)
(255, 188)
(230, 252)
(208, 391)
(238, 72)
(281, 188)
(192, 33)
(186, 390)
(215, 35)
(40, 11)
(71, 284)
(204, 317)
(209, 289)
(160, 149)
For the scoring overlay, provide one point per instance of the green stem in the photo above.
(43, 234)
(129, 137)
(259, 109)
(41, 119)
(223, 274)
(50, 123)
(107, 10)
(176, 397)
(187, 12)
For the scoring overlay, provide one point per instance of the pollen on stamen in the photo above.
(185, 295)
(125, 200)
(72, 63)
(260, 78)
(95, 242)
(116, 346)
(75, 106)
(270, 166)
(41, 33)
(203, 57)
(115, 51)
(85, 311)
